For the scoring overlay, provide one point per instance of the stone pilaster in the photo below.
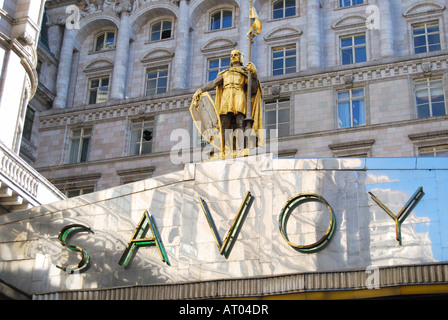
(180, 69)
(313, 38)
(65, 65)
(243, 42)
(386, 29)
(121, 55)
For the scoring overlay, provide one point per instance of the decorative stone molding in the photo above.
(100, 64)
(218, 44)
(283, 33)
(157, 54)
(352, 148)
(350, 21)
(424, 8)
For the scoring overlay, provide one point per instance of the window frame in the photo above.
(90, 89)
(161, 21)
(82, 191)
(155, 69)
(428, 81)
(351, 4)
(351, 99)
(80, 148)
(276, 109)
(283, 48)
(426, 24)
(151, 125)
(353, 48)
(422, 152)
(103, 47)
(28, 123)
(283, 10)
(221, 27)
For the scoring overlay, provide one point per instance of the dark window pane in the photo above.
(438, 109)
(347, 56)
(85, 149)
(423, 111)
(361, 54)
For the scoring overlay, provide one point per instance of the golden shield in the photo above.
(207, 120)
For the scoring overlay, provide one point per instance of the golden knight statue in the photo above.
(236, 123)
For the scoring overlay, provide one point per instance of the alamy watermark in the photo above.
(373, 280)
(373, 20)
(72, 21)
(183, 153)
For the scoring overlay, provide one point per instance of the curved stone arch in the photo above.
(349, 21)
(283, 32)
(98, 64)
(150, 11)
(218, 43)
(200, 7)
(94, 22)
(157, 54)
(424, 7)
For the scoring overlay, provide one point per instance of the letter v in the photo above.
(226, 246)
(137, 240)
(404, 212)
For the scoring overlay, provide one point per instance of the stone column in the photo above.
(180, 66)
(243, 42)
(386, 29)
(65, 64)
(313, 34)
(121, 54)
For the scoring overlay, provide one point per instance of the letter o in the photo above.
(286, 212)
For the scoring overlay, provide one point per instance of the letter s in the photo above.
(63, 236)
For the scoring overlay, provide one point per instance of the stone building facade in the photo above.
(21, 187)
(340, 78)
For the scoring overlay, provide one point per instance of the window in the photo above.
(284, 60)
(78, 192)
(28, 125)
(141, 137)
(277, 116)
(98, 90)
(105, 41)
(221, 19)
(79, 145)
(161, 30)
(351, 109)
(430, 98)
(353, 49)
(217, 65)
(349, 3)
(156, 81)
(426, 37)
(438, 151)
(284, 8)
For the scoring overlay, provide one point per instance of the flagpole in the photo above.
(249, 120)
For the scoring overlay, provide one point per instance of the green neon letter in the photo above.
(137, 240)
(404, 212)
(63, 236)
(226, 246)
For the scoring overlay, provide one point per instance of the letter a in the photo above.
(226, 246)
(137, 240)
